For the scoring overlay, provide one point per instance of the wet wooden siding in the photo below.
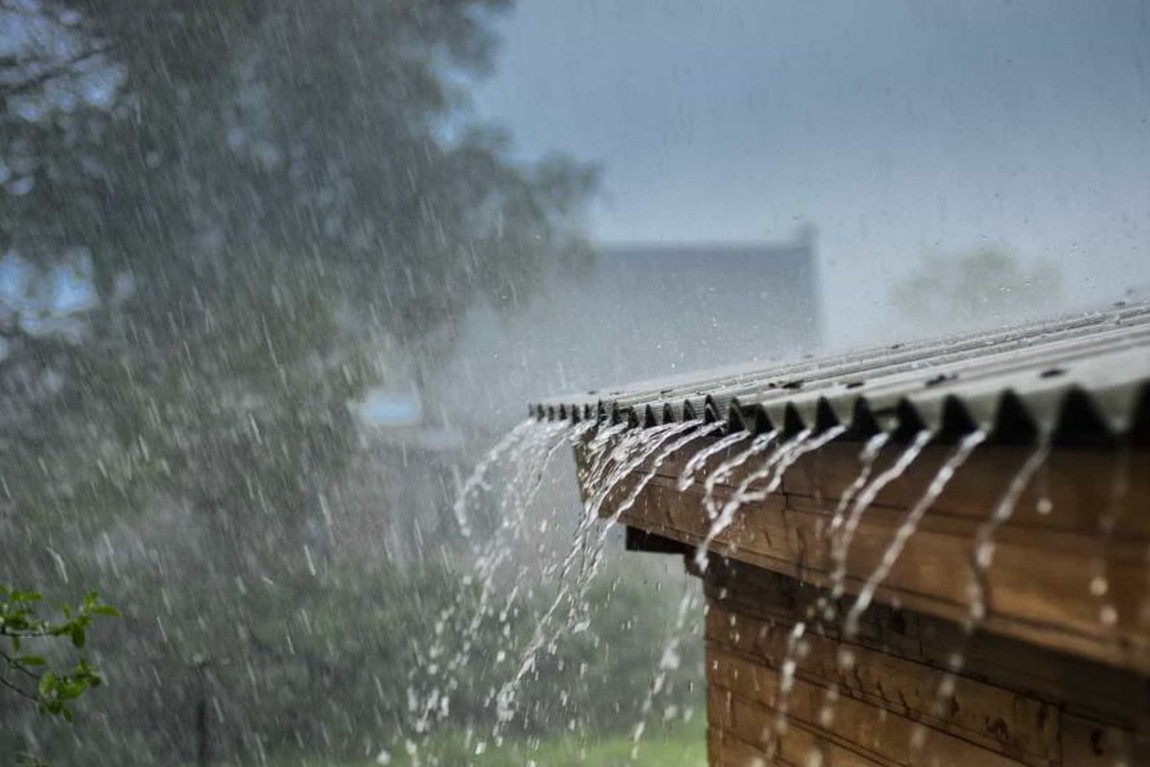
(1055, 674)
(874, 699)
(1070, 568)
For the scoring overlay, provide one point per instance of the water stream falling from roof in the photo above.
(867, 458)
(567, 614)
(694, 430)
(862, 502)
(668, 661)
(1108, 522)
(908, 527)
(524, 455)
(982, 554)
(804, 443)
(696, 462)
(726, 515)
(618, 464)
(758, 445)
(478, 478)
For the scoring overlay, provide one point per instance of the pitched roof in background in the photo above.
(1082, 379)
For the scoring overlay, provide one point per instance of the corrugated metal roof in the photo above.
(1081, 379)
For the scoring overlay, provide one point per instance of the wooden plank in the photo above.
(742, 593)
(1088, 743)
(731, 752)
(994, 717)
(1030, 690)
(1038, 635)
(1079, 483)
(1038, 586)
(874, 732)
(743, 740)
(1082, 486)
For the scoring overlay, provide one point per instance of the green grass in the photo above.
(686, 750)
(682, 747)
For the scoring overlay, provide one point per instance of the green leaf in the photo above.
(31, 760)
(32, 660)
(47, 684)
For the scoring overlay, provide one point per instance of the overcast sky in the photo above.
(897, 128)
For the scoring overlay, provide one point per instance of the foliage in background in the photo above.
(268, 189)
(982, 287)
(322, 666)
(30, 675)
(214, 215)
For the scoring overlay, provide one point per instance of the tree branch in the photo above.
(15, 664)
(4, 682)
(59, 70)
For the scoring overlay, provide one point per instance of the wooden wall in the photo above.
(1038, 587)
(873, 701)
(1057, 672)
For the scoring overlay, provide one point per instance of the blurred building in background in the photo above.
(641, 310)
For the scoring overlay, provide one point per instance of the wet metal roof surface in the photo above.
(1080, 379)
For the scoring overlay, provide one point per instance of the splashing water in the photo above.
(668, 661)
(983, 552)
(890, 557)
(617, 464)
(632, 450)
(867, 458)
(758, 446)
(862, 491)
(601, 453)
(687, 476)
(530, 468)
(620, 456)
(788, 668)
(649, 442)
(1107, 525)
(841, 546)
(525, 452)
(982, 555)
(780, 457)
(602, 450)
(695, 430)
(658, 451)
(803, 444)
(478, 479)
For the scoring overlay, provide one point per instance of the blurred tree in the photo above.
(270, 184)
(211, 210)
(981, 287)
